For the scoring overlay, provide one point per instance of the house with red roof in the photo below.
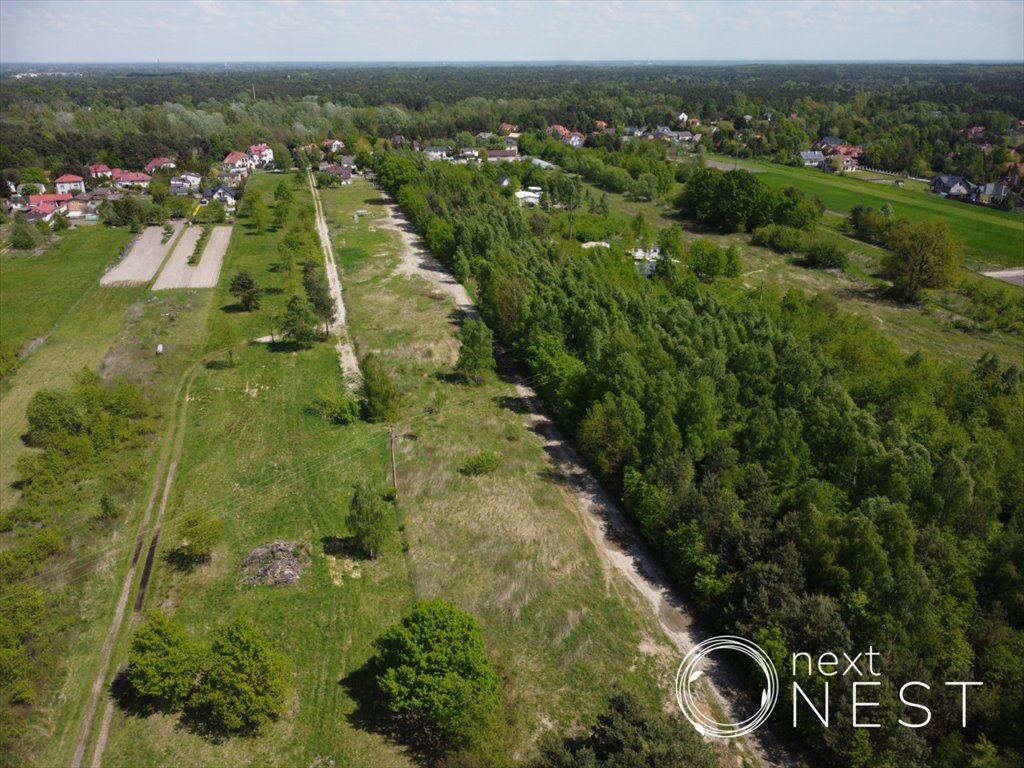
(40, 212)
(69, 183)
(508, 128)
(125, 179)
(261, 154)
(558, 130)
(157, 163)
(99, 170)
(574, 139)
(977, 130)
(333, 145)
(238, 161)
(59, 201)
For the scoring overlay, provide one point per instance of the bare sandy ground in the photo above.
(346, 353)
(178, 273)
(614, 536)
(143, 260)
(1014, 276)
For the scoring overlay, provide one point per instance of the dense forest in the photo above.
(807, 485)
(912, 118)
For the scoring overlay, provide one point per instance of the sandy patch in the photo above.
(342, 568)
(143, 260)
(178, 273)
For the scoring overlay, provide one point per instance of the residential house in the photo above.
(437, 153)
(529, 196)
(575, 139)
(185, 184)
(508, 128)
(812, 157)
(341, 172)
(223, 194)
(469, 155)
(79, 209)
(40, 212)
(157, 163)
(994, 192)
(976, 130)
(238, 161)
(58, 201)
(544, 165)
(484, 136)
(600, 125)
(511, 142)
(503, 181)
(497, 155)
(693, 122)
(827, 144)
(124, 179)
(951, 185)
(261, 154)
(99, 171)
(69, 183)
(558, 130)
(397, 140)
(682, 117)
(349, 160)
(333, 145)
(645, 260)
(846, 163)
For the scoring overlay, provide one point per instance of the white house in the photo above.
(436, 153)
(185, 184)
(157, 163)
(99, 171)
(529, 196)
(261, 154)
(333, 145)
(125, 179)
(239, 161)
(69, 184)
(223, 194)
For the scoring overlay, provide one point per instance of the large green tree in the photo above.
(378, 392)
(922, 254)
(246, 682)
(433, 665)
(163, 662)
(369, 519)
(476, 356)
(245, 288)
(299, 322)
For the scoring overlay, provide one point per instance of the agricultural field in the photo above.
(560, 626)
(991, 238)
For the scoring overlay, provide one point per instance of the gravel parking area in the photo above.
(178, 273)
(143, 260)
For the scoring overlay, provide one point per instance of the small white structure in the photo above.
(529, 196)
(69, 184)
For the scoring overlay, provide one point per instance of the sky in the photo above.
(520, 30)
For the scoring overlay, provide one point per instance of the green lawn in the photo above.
(36, 292)
(991, 238)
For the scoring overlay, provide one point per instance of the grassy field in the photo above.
(991, 238)
(507, 547)
(858, 290)
(56, 299)
(59, 278)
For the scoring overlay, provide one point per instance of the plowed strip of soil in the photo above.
(144, 258)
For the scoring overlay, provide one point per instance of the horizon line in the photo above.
(506, 62)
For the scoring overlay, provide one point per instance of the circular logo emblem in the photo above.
(688, 674)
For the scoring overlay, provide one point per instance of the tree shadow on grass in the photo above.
(218, 365)
(184, 563)
(232, 309)
(372, 714)
(131, 702)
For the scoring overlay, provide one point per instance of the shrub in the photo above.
(335, 407)
(825, 253)
(779, 238)
(379, 394)
(483, 463)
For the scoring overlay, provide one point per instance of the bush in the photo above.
(825, 253)
(779, 238)
(197, 252)
(335, 407)
(199, 534)
(25, 237)
(483, 463)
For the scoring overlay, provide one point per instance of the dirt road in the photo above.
(616, 538)
(346, 354)
(167, 465)
(144, 258)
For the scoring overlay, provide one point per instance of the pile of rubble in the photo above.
(276, 563)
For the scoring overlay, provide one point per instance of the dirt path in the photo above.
(617, 541)
(167, 466)
(346, 354)
(1014, 276)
